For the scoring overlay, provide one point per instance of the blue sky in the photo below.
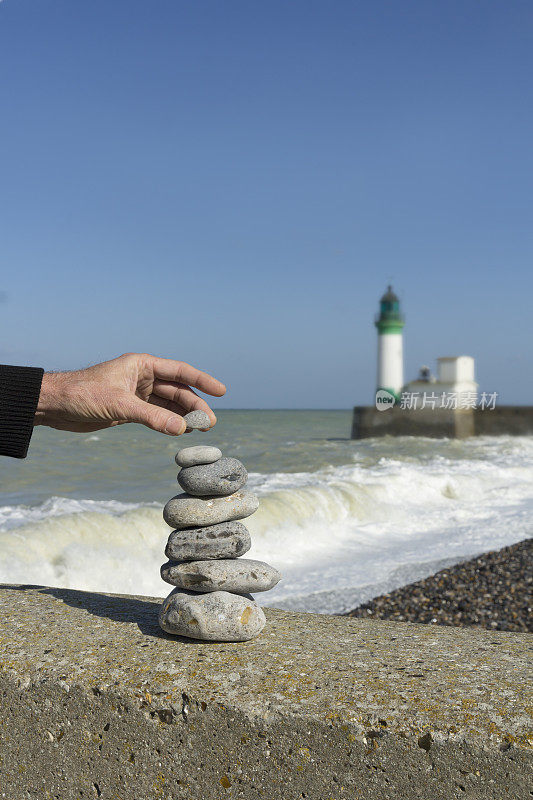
(235, 183)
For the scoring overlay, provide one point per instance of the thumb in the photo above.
(156, 418)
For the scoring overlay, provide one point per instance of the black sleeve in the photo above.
(19, 394)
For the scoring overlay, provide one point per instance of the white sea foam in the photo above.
(14, 516)
(339, 536)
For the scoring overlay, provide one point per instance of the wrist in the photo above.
(49, 397)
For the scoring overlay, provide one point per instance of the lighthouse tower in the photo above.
(389, 323)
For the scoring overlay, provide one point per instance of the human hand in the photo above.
(132, 388)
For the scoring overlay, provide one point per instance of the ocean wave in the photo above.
(337, 535)
(14, 516)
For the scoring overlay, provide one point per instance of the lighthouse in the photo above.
(389, 323)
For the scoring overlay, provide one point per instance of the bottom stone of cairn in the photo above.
(211, 616)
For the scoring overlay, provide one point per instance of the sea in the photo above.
(343, 520)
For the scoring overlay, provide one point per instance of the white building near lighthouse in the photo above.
(455, 380)
(389, 323)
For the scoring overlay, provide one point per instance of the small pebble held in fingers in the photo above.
(217, 616)
(240, 575)
(225, 540)
(191, 456)
(184, 511)
(224, 477)
(197, 421)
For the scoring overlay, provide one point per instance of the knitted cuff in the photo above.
(19, 394)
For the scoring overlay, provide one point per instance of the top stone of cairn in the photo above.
(197, 421)
(192, 456)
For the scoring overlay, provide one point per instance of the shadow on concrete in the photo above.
(118, 608)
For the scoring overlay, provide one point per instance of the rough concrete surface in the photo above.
(98, 702)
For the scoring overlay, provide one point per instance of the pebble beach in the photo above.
(492, 591)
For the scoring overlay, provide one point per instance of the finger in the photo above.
(180, 372)
(183, 397)
(177, 409)
(156, 417)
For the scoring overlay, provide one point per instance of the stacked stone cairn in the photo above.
(212, 599)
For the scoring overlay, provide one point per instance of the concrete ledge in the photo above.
(98, 702)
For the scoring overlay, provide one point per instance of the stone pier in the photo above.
(438, 423)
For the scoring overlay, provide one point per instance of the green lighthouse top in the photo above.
(390, 319)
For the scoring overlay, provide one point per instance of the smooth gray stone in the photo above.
(225, 476)
(197, 421)
(190, 456)
(240, 575)
(225, 540)
(184, 511)
(217, 616)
